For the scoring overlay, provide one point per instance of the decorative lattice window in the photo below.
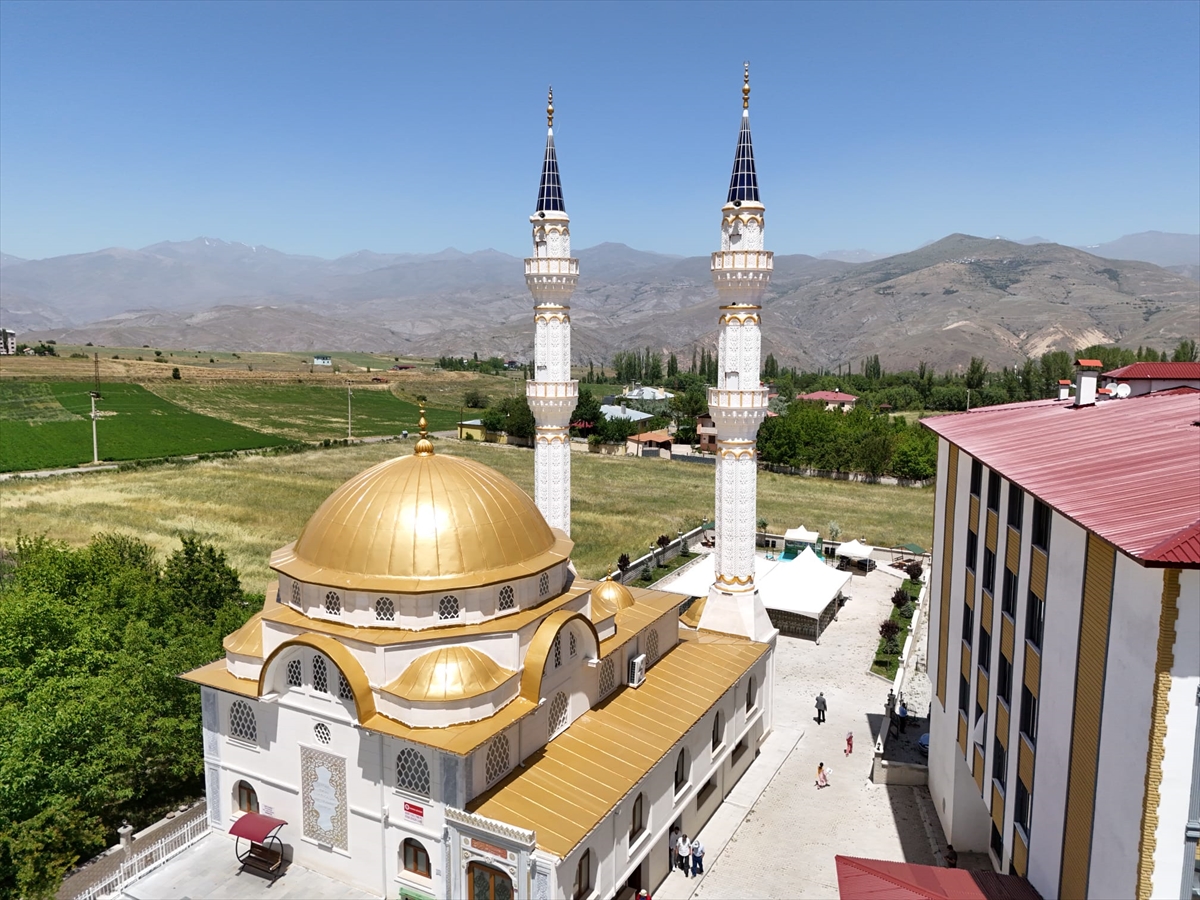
(322, 733)
(497, 758)
(608, 677)
(385, 610)
(652, 645)
(558, 650)
(572, 644)
(333, 604)
(344, 692)
(320, 676)
(448, 607)
(295, 593)
(412, 772)
(507, 600)
(544, 584)
(558, 713)
(241, 721)
(295, 673)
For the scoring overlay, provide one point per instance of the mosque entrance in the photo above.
(486, 883)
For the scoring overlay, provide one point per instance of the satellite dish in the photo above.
(1123, 390)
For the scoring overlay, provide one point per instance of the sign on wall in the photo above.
(414, 813)
(323, 793)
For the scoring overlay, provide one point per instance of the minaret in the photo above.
(741, 270)
(551, 275)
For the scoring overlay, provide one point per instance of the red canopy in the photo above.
(876, 879)
(255, 827)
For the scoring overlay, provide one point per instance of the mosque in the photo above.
(440, 707)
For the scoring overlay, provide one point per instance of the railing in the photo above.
(551, 265)
(742, 259)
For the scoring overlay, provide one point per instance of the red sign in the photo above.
(489, 848)
(414, 813)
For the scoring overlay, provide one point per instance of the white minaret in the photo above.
(551, 275)
(741, 270)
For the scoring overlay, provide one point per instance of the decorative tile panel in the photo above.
(323, 794)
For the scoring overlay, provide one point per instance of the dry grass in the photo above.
(251, 506)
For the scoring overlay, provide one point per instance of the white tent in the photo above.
(804, 585)
(800, 534)
(855, 550)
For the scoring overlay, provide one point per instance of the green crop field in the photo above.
(48, 424)
(250, 506)
(304, 411)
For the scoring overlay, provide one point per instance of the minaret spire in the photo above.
(741, 270)
(551, 275)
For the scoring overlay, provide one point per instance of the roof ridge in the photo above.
(1170, 543)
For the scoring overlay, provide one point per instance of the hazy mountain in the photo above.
(852, 256)
(7, 259)
(1162, 248)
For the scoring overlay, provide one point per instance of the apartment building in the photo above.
(1065, 640)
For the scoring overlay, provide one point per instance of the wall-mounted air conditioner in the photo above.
(637, 670)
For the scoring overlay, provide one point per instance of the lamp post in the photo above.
(349, 411)
(95, 395)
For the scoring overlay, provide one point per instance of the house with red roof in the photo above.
(1147, 377)
(831, 399)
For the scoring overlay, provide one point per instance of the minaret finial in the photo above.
(550, 108)
(424, 445)
(746, 87)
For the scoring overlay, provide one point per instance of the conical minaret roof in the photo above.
(743, 184)
(550, 195)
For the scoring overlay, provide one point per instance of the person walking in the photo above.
(674, 842)
(820, 707)
(849, 742)
(822, 776)
(683, 851)
(697, 858)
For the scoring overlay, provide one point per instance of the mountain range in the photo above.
(942, 303)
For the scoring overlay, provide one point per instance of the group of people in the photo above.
(687, 856)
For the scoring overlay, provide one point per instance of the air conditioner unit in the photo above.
(637, 670)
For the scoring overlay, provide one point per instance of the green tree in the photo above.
(672, 366)
(1185, 351)
(977, 372)
(474, 398)
(587, 409)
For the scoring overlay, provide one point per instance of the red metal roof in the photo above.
(255, 827)
(828, 397)
(1128, 470)
(880, 879)
(1179, 371)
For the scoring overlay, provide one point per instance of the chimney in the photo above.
(1064, 388)
(1085, 381)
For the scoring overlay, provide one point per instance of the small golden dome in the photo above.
(610, 597)
(449, 673)
(423, 523)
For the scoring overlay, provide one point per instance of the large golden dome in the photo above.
(419, 523)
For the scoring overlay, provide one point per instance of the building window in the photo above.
(507, 597)
(295, 673)
(681, 771)
(978, 710)
(344, 691)
(637, 822)
(652, 644)
(544, 584)
(385, 610)
(558, 713)
(1004, 687)
(583, 877)
(985, 648)
(706, 790)
(247, 798)
(1008, 593)
(964, 694)
(1035, 620)
(608, 677)
(989, 571)
(572, 645)
(497, 758)
(976, 477)
(739, 750)
(416, 860)
(448, 607)
(1016, 506)
(750, 694)
(557, 650)
(968, 624)
(412, 772)
(320, 676)
(333, 604)
(322, 733)
(1029, 716)
(993, 499)
(972, 549)
(241, 722)
(295, 594)
(718, 730)
(999, 762)
(486, 883)
(1041, 525)
(997, 842)
(1024, 808)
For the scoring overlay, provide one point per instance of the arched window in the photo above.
(241, 721)
(295, 593)
(583, 877)
(247, 797)
(559, 709)
(652, 644)
(416, 860)
(333, 604)
(608, 676)
(385, 610)
(718, 730)
(558, 650)
(448, 607)
(497, 758)
(572, 644)
(295, 673)
(750, 686)
(681, 771)
(412, 772)
(344, 691)
(320, 675)
(322, 733)
(637, 822)
(486, 883)
(544, 584)
(507, 598)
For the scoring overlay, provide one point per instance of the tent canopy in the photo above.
(913, 548)
(800, 534)
(255, 827)
(855, 550)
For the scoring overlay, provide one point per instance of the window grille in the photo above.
(497, 758)
(608, 677)
(572, 645)
(544, 584)
(652, 645)
(241, 721)
(295, 673)
(412, 772)
(333, 604)
(558, 650)
(558, 713)
(295, 594)
(385, 610)
(507, 600)
(448, 607)
(320, 676)
(322, 733)
(344, 692)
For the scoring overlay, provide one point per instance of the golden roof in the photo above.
(691, 618)
(449, 673)
(425, 522)
(567, 790)
(247, 640)
(608, 598)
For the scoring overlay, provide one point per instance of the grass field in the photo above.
(48, 424)
(250, 506)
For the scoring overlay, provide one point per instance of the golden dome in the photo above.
(608, 598)
(423, 523)
(449, 673)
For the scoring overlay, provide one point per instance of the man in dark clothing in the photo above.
(820, 707)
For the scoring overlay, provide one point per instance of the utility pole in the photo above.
(349, 410)
(95, 395)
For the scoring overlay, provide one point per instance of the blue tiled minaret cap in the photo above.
(550, 195)
(743, 184)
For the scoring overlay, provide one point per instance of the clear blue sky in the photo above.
(328, 128)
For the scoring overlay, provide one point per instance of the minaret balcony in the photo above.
(552, 390)
(551, 265)
(749, 399)
(749, 261)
